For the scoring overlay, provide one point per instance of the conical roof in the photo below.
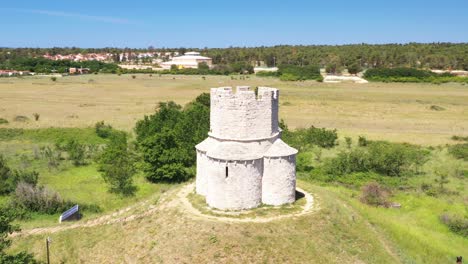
(235, 151)
(206, 144)
(280, 149)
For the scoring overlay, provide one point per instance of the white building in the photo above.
(188, 60)
(243, 162)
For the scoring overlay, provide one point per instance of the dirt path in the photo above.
(173, 199)
(184, 204)
(130, 213)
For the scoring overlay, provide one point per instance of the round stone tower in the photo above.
(243, 162)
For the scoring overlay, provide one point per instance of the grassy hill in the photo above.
(342, 231)
(153, 227)
(338, 233)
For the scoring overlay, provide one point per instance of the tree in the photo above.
(5, 175)
(442, 179)
(162, 149)
(76, 152)
(203, 68)
(117, 165)
(167, 138)
(6, 228)
(354, 68)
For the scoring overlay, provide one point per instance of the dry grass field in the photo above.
(153, 227)
(393, 111)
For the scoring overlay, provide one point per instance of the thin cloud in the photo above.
(105, 19)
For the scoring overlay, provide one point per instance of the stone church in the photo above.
(243, 162)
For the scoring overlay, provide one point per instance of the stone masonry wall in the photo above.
(243, 116)
(241, 189)
(279, 180)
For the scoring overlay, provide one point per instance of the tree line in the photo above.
(414, 55)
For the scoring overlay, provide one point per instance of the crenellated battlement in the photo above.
(243, 114)
(244, 92)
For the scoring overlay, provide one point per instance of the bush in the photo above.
(375, 195)
(36, 116)
(103, 130)
(38, 199)
(306, 138)
(168, 136)
(410, 75)
(21, 118)
(53, 156)
(459, 151)
(397, 72)
(304, 161)
(354, 68)
(456, 223)
(117, 165)
(267, 74)
(53, 79)
(362, 141)
(76, 152)
(3, 121)
(5, 175)
(459, 138)
(349, 142)
(289, 77)
(436, 108)
(7, 216)
(9, 179)
(391, 159)
(296, 73)
(173, 172)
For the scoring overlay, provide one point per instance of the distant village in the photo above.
(157, 61)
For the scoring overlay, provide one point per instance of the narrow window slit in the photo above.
(227, 171)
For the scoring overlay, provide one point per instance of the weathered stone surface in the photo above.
(244, 162)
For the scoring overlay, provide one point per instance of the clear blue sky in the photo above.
(210, 23)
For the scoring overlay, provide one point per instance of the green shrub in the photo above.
(53, 79)
(436, 108)
(38, 199)
(296, 73)
(349, 142)
(354, 68)
(306, 138)
(103, 130)
(397, 72)
(52, 155)
(362, 141)
(173, 172)
(459, 138)
(456, 223)
(9, 179)
(459, 151)
(5, 175)
(289, 77)
(168, 138)
(304, 161)
(410, 75)
(117, 165)
(3, 121)
(375, 195)
(391, 159)
(21, 118)
(267, 74)
(76, 152)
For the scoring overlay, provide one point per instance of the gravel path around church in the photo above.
(172, 199)
(183, 203)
